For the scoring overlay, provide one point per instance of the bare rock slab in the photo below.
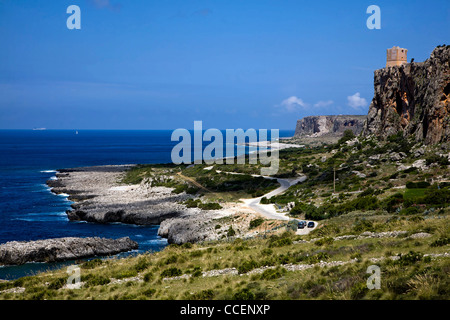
(61, 249)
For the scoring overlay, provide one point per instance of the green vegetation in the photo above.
(197, 203)
(256, 223)
(353, 189)
(262, 266)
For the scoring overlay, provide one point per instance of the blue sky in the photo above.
(232, 64)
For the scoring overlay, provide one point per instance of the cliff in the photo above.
(413, 99)
(60, 249)
(315, 126)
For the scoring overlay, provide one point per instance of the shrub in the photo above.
(171, 259)
(368, 192)
(187, 245)
(148, 277)
(296, 210)
(191, 203)
(440, 242)
(324, 241)
(364, 203)
(271, 274)
(204, 295)
(437, 196)
(417, 185)
(409, 211)
(171, 272)
(92, 264)
(264, 200)
(362, 225)
(231, 232)
(292, 225)
(95, 280)
(347, 135)
(149, 292)
(256, 223)
(320, 256)
(180, 188)
(197, 253)
(247, 266)
(280, 242)
(392, 203)
(244, 294)
(409, 258)
(125, 274)
(142, 264)
(441, 160)
(359, 290)
(210, 206)
(197, 272)
(57, 283)
(258, 193)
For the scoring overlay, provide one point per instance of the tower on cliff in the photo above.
(396, 56)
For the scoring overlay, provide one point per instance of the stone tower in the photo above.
(396, 56)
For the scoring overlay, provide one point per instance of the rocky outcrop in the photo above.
(61, 249)
(413, 99)
(315, 126)
(188, 229)
(98, 197)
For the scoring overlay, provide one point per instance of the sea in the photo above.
(30, 211)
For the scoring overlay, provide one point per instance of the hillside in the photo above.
(388, 207)
(378, 199)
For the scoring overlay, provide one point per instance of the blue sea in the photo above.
(29, 211)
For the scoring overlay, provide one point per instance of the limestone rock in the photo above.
(413, 99)
(60, 249)
(315, 126)
(99, 198)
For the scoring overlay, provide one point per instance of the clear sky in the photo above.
(230, 63)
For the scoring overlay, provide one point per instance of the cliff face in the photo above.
(315, 126)
(413, 99)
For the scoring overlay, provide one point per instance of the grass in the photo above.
(414, 193)
(378, 203)
(413, 276)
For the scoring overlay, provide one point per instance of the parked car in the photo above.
(301, 225)
(310, 224)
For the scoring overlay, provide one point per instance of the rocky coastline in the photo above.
(99, 196)
(62, 249)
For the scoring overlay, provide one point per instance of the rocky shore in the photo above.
(61, 249)
(99, 196)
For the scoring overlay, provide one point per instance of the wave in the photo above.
(155, 241)
(58, 213)
(43, 219)
(48, 171)
(63, 195)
